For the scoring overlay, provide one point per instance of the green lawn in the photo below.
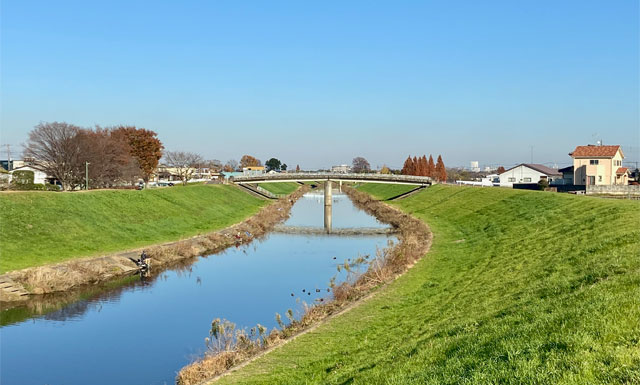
(520, 287)
(280, 187)
(385, 191)
(47, 227)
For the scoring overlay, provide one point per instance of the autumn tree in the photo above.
(408, 168)
(185, 164)
(297, 168)
(441, 172)
(385, 170)
(249, 161)
(360, 164)
(214, 165)
(424, 165)
(144, 146)
(56, 149)
(109, 160)
(501, 170)
(431, 168)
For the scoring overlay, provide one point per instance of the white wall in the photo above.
(38, 176)
(520, 175)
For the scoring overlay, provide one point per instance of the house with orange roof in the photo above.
(599, 165)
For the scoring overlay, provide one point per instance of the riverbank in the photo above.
(414, 242)
(41, 228)
(79, 272)
(518, 287)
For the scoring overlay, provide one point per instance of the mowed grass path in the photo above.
(280, 187)
(47, 227)
(520, 287)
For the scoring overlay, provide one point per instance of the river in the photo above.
(144, 330)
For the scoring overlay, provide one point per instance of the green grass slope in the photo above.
(520, 287)
(385, 191)
(40, 227)
(280, 188)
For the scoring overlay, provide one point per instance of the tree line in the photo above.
(117, 156)
(113, 155)
(420, 166)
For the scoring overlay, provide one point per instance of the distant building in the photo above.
(341, 169)
(567, 176)
(253, 170)
(599, 165)
(528, 173)
(475, 167)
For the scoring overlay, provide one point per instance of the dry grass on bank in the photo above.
(230, 347)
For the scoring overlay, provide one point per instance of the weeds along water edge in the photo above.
(229, 348)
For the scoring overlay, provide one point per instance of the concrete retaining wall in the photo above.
(614, 190)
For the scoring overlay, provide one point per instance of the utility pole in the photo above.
(8, 157)
(86, 175)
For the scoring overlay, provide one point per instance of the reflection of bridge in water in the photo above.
(329, 178)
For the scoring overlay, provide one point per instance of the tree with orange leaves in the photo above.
(431, 168)
(144, 146)
(408, 167)
(441, 172)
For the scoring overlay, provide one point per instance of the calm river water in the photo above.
(143, 332)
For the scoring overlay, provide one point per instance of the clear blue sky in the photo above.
(318, 83)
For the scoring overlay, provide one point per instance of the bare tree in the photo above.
(56, 149)
(185, 164)
(110, 161)
(231, 165)
(360, 164)
(214, 165)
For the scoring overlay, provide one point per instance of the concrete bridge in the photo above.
(328, 178)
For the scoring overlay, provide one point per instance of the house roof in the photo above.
(537, 167)
(566, 169)
(622, 170)
(595, 151)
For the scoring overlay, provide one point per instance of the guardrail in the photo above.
(388, 178)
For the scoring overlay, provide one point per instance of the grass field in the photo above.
(280, 188)
(520, 287)
(385, 191)
(47, 227)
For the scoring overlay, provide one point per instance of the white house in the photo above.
(342, 169)
(528, 173)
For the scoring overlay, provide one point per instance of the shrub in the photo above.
(22, 177)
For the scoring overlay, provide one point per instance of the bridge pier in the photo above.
(327, 205)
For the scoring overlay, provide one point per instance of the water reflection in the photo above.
(98, 334)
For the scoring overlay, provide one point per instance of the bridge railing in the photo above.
(333, 176)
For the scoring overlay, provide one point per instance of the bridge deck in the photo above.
(305, 177)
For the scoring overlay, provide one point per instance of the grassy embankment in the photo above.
(280, 188)
(519, 287)
(47, 227)
(385, 191)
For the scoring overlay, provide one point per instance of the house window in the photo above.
(593, 161)
(592, 180)
(527, 179)
(512, 179)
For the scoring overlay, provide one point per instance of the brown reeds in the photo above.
(415, 240)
